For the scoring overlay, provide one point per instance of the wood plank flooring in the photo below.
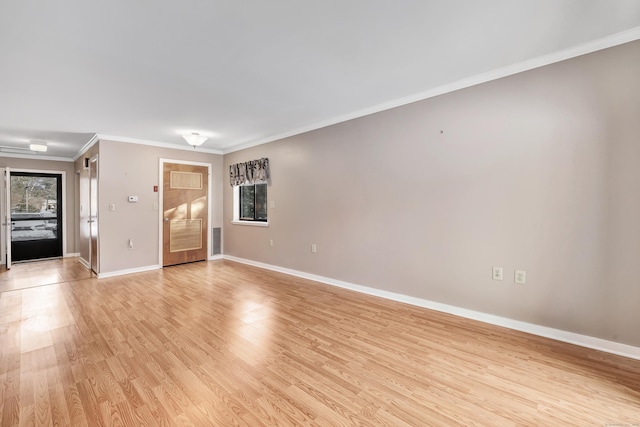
(222, 344)
(39, 273)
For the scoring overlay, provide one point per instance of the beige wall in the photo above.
(132, 169)
(537, 171)
(70, 178)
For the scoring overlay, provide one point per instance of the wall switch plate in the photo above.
(314, 248)
(497, 273)
(130, 243)
(520, 277)
(155, 206)
(272, 204)
(112, 206)
(271, 243)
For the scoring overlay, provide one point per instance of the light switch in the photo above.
(112, 206)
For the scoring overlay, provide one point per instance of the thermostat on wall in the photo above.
(133, 199)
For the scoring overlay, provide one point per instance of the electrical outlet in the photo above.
(314, 248)
(520, 277)
(497, 273)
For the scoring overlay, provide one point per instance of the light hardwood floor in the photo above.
(219, 343)
(39, 273)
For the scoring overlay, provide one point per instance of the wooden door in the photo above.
(185, 212)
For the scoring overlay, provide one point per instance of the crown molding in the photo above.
(36, 157)
(157, 144)
(86, 146)
(561, 55)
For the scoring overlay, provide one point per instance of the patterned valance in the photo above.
(253, 172)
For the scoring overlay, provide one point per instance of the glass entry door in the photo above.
(36, 215)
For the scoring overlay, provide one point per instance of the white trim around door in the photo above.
(161, 194)
(63, 175)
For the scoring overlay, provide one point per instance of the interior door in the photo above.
(185, 211)
(93, 214)
(7, 215)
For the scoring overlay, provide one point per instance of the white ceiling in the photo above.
(246, 72)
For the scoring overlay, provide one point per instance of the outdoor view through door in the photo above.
(185, 213)
(36, 215)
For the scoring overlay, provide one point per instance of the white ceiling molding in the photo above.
(573, 52)
(94, 139)
(36, 157)
(181, 146)
(295, 68)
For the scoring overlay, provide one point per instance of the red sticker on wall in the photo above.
(155, 188)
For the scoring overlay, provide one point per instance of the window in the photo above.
(253, 202)
(249, 181)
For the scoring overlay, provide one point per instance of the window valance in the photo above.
(252, 172)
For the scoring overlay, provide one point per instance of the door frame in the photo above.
(161, 203)
(91, 219)
(4, 234)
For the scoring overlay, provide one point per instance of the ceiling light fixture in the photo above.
(194, 139)
(38, 146)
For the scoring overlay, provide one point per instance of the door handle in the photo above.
(166, 219)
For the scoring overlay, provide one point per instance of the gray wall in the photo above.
(537, 171)
(132, 169)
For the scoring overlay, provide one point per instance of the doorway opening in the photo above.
(36, 215)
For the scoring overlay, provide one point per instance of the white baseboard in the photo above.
(543, 331)
(139, 269)
(84, 262)
(128, 271)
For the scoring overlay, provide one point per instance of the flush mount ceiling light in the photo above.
(194, 139)
(38, 146)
